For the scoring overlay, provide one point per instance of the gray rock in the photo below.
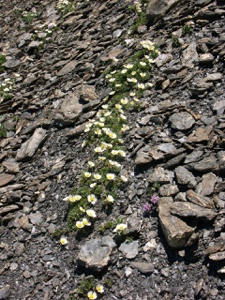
(182, 121)
(70, 109)
(134, 224)
(36, 218)
(206, 58)
(28, 148)
(193, 156)
(143, 156)
(5, 292)
(217, 256)
(130, 250)
(11, 165)
(199, 199)
(168, 190)
(206, 187)
(219, 106)
(33, 45)
(161, 175)
(5, 178)
(8, 208)
(176, 231)
(12, 63)
(95, 253)
(88, 93)
(190, 55)
(207, 164)
(163, 59)
(157, 9)
(67, 68)
(185, 177)
(187, 209)
(143, 267)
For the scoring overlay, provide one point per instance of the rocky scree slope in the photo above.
(176, 141)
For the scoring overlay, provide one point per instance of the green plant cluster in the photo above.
(3, 132)
(140, 18)
(65, 7)
(103, 176)
(2, 61)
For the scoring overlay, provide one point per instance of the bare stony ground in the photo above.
(175, 141)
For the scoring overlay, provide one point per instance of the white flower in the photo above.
(92, 295)
(134, 80)
(102, 120)
(141, 86)
(102, 158)
(149, 84)
(128, 66)
(99, 149)
(124, 101)
(72, 198)
(121, 153)
(108, 113)
(112, 93)
(142, 74)
(86, 222)
(110, 176)
(97, 176)
(91, 213)
(124, 128)
(100, 288)
(136, 99)
(120, 227)
(105, 106)
(87, 174)
(110, 199)
(123, 178)
(112, 135)
(92, 199)
(118, 85)
(63, 241)
(118, 106)
(79, 224)
(92, 185)
(142, 63)
(132, 94)
(133, 73)
(114, 152)
(124, 71)
(123, 117)
(81, 209)
(83, 144)
(98, 131)
(91, 164)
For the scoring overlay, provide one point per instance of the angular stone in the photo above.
(199, 199)
(200, 135)
(5, 178)
(181, 121)
(130, 250)
(68, 68)
(187, 209)
(5, 292)
(217, 256)
(190, 55)
(8, 208)
(214, 77)
(11, 165)
(177, 232)
(70, 109)
(158, 8)
(207, 164)
(193, 156)
(168, 190)
(88, 93)
(95, 253)
(219, 106)
(28, 148)
(143, 156)
(143, 267)
(185, 177)
(161, 175)
(206, 187)
(206, 58)
(36, 218)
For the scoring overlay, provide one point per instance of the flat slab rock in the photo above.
(187, 209)
(182, 121)
(130, 250)
(95, 254)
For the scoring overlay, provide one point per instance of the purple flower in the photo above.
(154, 199)
(147, 208)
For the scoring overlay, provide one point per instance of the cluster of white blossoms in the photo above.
(104, 133)
(62, 4)
(6, 84)
(93, 295)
